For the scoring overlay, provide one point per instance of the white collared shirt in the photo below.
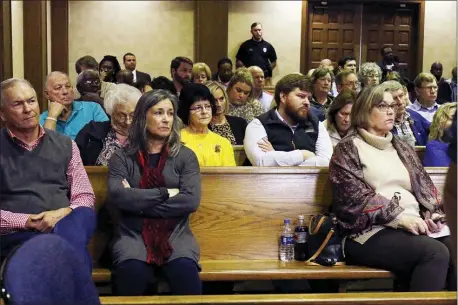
(427, 113)
(135, 75)
(255, 132)
(266, 99)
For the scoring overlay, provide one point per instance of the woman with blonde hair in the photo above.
(241, 96)
(229, 127)
(201, 73)
(437, 146)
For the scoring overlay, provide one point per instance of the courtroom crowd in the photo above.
(155, 133)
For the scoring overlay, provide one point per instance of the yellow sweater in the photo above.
(211, 149)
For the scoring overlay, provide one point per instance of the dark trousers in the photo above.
(421, 262)
(133, 277)
(76, 228)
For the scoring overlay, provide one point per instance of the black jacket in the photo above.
(90, 140)
(238, 126)
(143, 77)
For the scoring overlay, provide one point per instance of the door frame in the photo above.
(305, 35)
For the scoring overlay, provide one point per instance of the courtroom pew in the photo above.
(380, 298)
(238, 222)
(240, 155)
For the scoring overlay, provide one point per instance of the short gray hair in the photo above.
(392, 85)
(80, 76)
(51, 74)
(368, 68)
(120, 94)
(9, 83)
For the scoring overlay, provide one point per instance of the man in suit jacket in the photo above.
(130, 63)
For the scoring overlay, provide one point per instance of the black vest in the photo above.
(282, 138)
(34, 181)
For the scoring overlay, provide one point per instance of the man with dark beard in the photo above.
(181, 71)
(288, 135)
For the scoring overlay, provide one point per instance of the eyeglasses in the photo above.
(384, 107)
(122, 118)
(201, 108)
(92, 82)
(430, 88)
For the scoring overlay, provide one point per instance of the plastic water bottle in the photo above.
(286, 249)
(300, 240)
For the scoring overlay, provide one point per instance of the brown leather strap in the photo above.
(317, 227)
(320, 249)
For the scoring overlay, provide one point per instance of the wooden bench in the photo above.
(383, 298)
(240, 155)
(240, 216)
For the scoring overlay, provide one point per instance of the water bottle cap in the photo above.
(287, 221)
(301, 217)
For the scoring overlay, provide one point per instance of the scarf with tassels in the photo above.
(156, 231)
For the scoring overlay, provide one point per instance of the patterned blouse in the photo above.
(249, 111)
(110, 145)
(225, 131)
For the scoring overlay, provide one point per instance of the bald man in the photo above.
(65, 115)
(259, 81)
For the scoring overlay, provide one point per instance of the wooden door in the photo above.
(334, 32)
(393, 25)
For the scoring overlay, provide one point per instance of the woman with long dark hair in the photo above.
(154, 185)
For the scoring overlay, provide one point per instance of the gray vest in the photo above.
(34, 181)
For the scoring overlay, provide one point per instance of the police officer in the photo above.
(257, 52)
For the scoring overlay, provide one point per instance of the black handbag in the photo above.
(323, 241)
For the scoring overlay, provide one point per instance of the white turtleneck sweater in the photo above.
(384, 171)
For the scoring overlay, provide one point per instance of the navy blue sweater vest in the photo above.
(34, 181)
(282, 138)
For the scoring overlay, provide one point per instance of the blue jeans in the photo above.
(76, 228)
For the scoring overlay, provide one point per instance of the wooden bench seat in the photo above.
(239, 220)
(246, 270)
(380, 298)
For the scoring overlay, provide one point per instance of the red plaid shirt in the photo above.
(81, 193)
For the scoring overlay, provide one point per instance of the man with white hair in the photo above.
(65, 115)
(259, 81)
(44, 188)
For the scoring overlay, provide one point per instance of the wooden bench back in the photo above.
(240, 155)
(242, 208)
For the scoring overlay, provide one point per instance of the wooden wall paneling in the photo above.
(420, 35)
(6, 69)
(211, 32)
(35, 47)
(334, 32)
(304, 38)
(59, 35)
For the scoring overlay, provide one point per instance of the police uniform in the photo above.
(257, 53)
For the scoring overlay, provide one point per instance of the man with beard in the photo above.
(257, 52)
(224, 74)
(288, 135)
(181, 71)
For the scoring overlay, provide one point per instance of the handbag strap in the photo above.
(317, 227)
(320, 249)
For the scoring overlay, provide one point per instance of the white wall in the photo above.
(281, 22)
(155, 31)
(440, 35)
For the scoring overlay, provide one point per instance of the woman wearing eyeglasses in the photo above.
(385, 202)
(197, 106)
(97, 141)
